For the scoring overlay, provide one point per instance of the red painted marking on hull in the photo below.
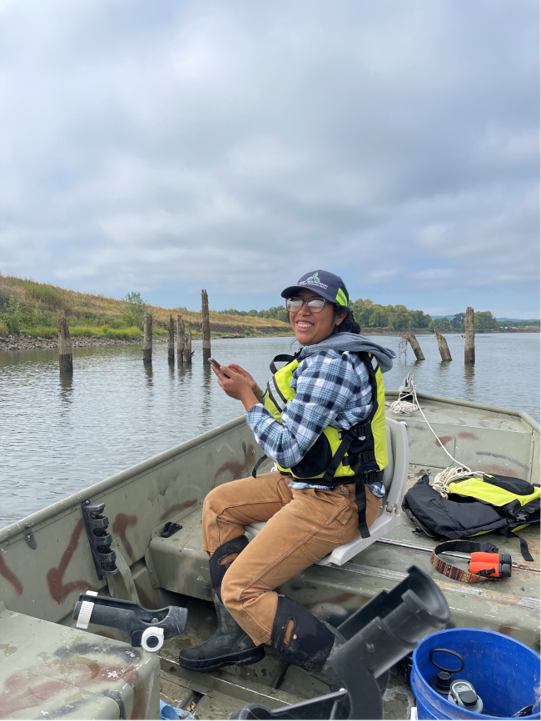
(55, 576)
(443, 440)
(468, 436)
(120, 526)
(26, 689)
(8, 574)
(237, 468)
(177, 508)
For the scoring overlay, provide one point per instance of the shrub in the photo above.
(3, 329)
(13, 317)
(135, 313)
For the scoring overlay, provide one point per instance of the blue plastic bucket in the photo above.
(505, 674)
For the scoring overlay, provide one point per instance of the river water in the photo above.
(62, 433)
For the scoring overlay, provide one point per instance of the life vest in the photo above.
(337, 454)
(475, 505)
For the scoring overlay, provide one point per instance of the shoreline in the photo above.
(29, 343)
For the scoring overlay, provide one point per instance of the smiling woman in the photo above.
(322, 421)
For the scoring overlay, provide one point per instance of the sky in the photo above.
(168, 146)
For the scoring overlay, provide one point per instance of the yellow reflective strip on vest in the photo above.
(379, 426)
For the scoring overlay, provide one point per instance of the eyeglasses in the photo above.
(314, 305)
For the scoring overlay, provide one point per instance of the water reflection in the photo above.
(206, 408)
(66, 387)
(149, 373)
(469, 381)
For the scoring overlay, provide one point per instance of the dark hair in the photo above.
(349, 324)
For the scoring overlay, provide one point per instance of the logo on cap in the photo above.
(314, 280)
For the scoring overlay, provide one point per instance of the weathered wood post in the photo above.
(65, 353)
(147, 342)
(469, 345)
(181, 338)
(188, 347)
(205, 324)
(171, 341)
(414, 343)
(443, 347)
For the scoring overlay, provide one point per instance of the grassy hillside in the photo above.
(34, 308)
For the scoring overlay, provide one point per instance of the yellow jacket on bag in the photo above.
(337, 454)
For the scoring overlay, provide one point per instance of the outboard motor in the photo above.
(148, 629)
(378, 635)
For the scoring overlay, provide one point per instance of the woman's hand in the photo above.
(237, 386)
(256, 390)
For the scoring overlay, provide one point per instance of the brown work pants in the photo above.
(302, 527)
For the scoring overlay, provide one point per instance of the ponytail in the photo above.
(349, 324)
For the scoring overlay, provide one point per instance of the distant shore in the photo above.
(24, 342)
(28, 343)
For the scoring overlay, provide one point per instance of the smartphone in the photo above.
(217, 365)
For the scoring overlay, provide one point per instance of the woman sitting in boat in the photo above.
(322, 420)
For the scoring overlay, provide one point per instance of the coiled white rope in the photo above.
(442, 479)
(404, 408)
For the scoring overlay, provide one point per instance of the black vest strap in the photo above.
(280, 358)
(341, 451)
(360, 502)
(257, 465)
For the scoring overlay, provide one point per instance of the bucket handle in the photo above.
(453, 653)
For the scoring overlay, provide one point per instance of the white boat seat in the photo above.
(394, 480)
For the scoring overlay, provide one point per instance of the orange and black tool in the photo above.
(485, 564)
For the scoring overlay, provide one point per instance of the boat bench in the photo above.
(54, 671)
(180, 565)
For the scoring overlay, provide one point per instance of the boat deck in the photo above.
(510, 606)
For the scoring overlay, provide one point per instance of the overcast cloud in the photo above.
(165, 146)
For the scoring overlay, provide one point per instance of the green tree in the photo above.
(458, 321)
(442, 323)
(135, 313)
(484, 322)
(13, 316)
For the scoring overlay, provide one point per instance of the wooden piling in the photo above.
(147, 342)
(443, 347)
(171, 341)
(188, 347)
(205, 324)
(181, 338)
(469, 345)
(414, 343)
(65, 353)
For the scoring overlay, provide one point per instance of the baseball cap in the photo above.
(327, 285)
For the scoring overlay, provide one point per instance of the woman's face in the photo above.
(311, 328)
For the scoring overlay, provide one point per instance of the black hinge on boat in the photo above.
(100, 540)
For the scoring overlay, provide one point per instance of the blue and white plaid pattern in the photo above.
(331, 388)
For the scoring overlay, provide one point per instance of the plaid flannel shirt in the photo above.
(331, 388)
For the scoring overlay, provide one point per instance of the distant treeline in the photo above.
(399, 318)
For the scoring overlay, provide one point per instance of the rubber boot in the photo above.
(230, 644)
(303, 640)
